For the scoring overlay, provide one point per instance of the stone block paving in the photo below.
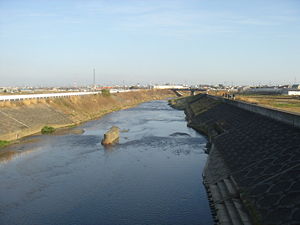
(263, 156)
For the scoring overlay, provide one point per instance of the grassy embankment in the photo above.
(27, 117)
(281, 102)
(4, 143)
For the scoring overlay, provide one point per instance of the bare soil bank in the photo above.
(23, 118)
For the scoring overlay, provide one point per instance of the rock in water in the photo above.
(176, 134)
(111, 136)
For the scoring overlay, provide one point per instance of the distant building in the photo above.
(233, 90)
(169, 87)
(243, 88)
(296, 86)
(294, 92)
(284, 86)
(264, 90)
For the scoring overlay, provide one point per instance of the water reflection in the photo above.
(18, 150)
(5, 156)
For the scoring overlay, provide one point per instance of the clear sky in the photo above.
(59, 42)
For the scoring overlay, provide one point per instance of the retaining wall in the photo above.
(285, 117)
(254, 160)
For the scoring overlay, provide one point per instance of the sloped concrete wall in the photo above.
(285, 117)
(26, 117)
(259, 148)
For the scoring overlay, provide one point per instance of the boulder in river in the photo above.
(178, 134)
(111, 136)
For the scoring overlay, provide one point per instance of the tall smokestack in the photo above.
(94, 79)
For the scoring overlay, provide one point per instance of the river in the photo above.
(152, 177)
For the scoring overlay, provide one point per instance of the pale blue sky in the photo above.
(59, 42)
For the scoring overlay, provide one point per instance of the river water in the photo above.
(153, 177)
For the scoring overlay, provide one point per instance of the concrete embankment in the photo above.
(23, 118)
(253, 170)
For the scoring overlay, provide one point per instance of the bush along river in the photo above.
(152, 177)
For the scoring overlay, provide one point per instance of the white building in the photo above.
(169, 87)
(294, 92)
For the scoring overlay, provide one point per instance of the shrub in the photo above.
(4, 143)
(47, 130)
(105, 92)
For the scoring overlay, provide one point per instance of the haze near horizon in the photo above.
(59, 42)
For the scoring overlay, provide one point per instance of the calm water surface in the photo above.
(152, 177)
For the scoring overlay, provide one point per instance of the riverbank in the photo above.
(287, 103)
(252, 174)
(153, 176)
(23, 118)
(281, 102)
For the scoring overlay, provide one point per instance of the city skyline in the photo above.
(60, 42)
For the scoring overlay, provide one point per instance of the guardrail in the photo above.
(52, 95)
